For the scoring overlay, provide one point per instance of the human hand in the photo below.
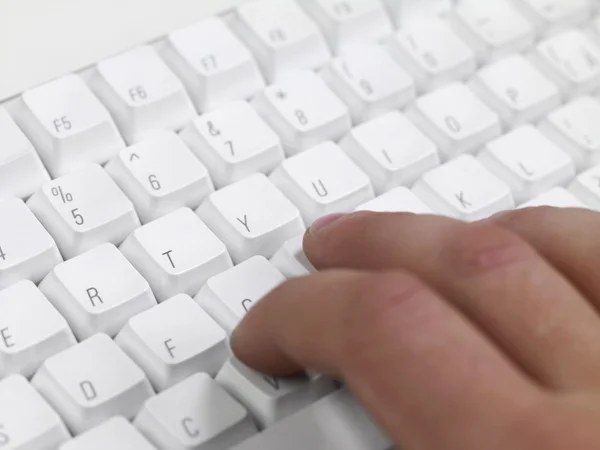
(455, 336)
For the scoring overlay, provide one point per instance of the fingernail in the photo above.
(323, 222)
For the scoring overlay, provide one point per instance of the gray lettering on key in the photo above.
(244, 222)
(88, 389)
(525, 170)
(247, 304)
(4, 334)
(387, 156)
(93, 294)
(168, 255)
(272, 381)
(461, 198)
(320, 188)
(187, 424)
(169, 348)
(4, 437)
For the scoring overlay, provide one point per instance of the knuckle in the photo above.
(369, 320)
(479, 248)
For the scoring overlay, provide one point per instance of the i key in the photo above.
(114, 434)
(27, 251)
(98, 291)
(548, 16)
(234, 142)
(572, 60)
(195, 414)
(303, 111)
(350, 22)
(215, 66)
(464, 189)
(282, 36)
(84, 209)
(369, 81)
(68, 125)
(323, 180)
(228, 296)
(176, 253)
(456, 120)
(576, 128)
(432, 53)
(142, 93)
(21, 170)
(528, 162)
(160, 175)
(26, 419)
(31, 329)
(252, 217)
(391, 150)
(516, 90)
(174, 340)
(92, 382)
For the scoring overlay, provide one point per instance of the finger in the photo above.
(488, 272)
(414, 362)
(568, 238)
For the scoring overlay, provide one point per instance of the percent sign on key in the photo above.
(65, 197)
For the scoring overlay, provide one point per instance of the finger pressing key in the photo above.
(411, 358)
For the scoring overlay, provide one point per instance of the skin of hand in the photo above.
(455, 336)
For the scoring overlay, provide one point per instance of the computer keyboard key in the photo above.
(400, 199)
(195, 414)
(516, 90)
(114, 434)
(160, 175)
(21, 170)
(572, 60)
(97, 291)
(350, 22)
(432, 53)
(269, 399)
(391, 150)
(335, 422)
(323, 180)
(228, 296)
(528, 162)
(369, 81)
(234, 142)
(456, 120)
(176, 253)
(27, 251)
(586, 187)
(282, 37)
(213, 64)
(26, 419)
(173, 341)
(291, 260)
(303, 111)
(92, 382)
(464, 189)
(494, 30)
(31, 329)
(557, 197)
(252, 217)
(142, 93)
(576, 128)
(83, 210)
(548, 16)
(68, 125)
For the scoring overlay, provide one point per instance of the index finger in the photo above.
(416, 363)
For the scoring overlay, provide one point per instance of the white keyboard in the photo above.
(148, 202)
